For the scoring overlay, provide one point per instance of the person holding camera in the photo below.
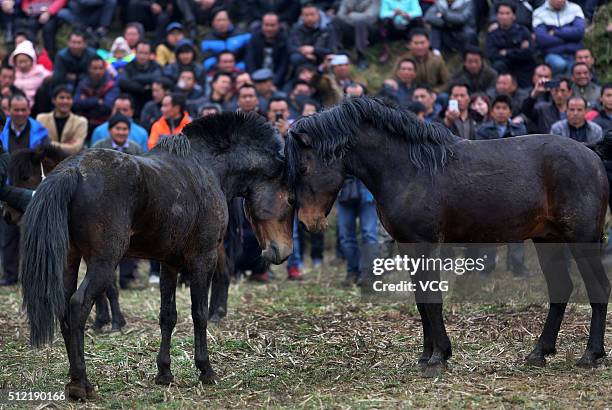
(542, 113)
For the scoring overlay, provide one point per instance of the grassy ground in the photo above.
(313, 344)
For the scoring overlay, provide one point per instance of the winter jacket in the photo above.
(488, 131)
(359, 10)
(510, 40)
(134, 77)
(107, 143)
(431, 71)
(164, 54)
(173, 70)
(591, 93)
(460, 13)
(150, 113)
(256, 55)
(137, 134)
(214, 43)
(483, 82)
(388, 7)
(322, 39)
(568, 25)
(38, 134)
(31, 81)
(66, 63)
(603, 120)
(53, 6)
(87, 99)
(162, 129)
(543, 114)
(594, 133)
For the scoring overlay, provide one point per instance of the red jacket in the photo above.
(52, 5)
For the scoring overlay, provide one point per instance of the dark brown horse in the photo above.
(431, 186)
(168, 205)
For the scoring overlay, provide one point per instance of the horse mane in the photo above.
(22, 161)
(220, 133)
(334, 131)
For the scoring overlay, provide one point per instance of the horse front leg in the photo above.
(167, 321)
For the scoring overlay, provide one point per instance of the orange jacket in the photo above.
(161, 129)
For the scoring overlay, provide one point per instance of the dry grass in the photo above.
(311, 345)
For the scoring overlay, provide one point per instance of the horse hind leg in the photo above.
(219, 289)
(554, 262)
(112, 293)
(71, 277)
(167, 321)
(103, 317)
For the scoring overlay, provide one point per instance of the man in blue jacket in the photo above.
(224, 37)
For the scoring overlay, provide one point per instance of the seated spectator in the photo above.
(279, 114)
(452, 24)
(7, 81)
(396, 16)
(123, 105)
(193, 92)
(400, 87)
(309, 107)
(66, 129)
(426, 96)
(199, 12)
(431, 69)
(262, 80)
(309, 41)
(221, 87)
(584, 55)
(506, 84)
(576, 126)
(117, 136)
(603, 117)
(304, 73)
(478, 75)
(174, 118)
(95, 93)
(543, 113)
(164, 53)
(185, 59)
(226, 63)
(248, 101)
(138, 76)
(29, 75)
(355, 19)
(95, 14)
(459, 121)
(33, 15)
(118, 57)
(210, 109)
(500, 125)
(583, 84)
(480, 108)
(71, 63)
(509, 46)
(134, 33)
(301, 92)
(542, 73)
(523, 10)
(224, 37)
(151, 111)
(559, 28)
(269, 48)
(152, 15)
(42, 56)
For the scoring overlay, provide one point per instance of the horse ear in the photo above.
(304, 139)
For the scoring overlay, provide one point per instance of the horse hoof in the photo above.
(535, 360)
(422, 363)
(590, 360)
(76, 391)
(91, 392)
(117, 327)
(208, 377)
(215, 318)
(433, 370)
(164, 379)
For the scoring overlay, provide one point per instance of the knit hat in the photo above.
(120, 44)
(117, 118)
(25, 47)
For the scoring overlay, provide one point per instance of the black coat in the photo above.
(322, 39)
(280, 55)
(543, 114)
(510, 40)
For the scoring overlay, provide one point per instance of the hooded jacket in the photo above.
(31, 81)
(568, 25)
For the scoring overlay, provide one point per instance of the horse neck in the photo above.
(234, 173)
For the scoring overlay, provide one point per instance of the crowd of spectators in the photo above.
(175, 60)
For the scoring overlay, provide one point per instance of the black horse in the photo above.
(431, 186)
(169, 205)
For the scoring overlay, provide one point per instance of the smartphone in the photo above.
(549, 85)
(279, 116)
(453, 105)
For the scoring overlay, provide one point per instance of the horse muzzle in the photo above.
(275, 253)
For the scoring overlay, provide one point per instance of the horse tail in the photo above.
(44, 248)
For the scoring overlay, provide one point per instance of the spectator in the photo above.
(301, 92)
(242, 79)
(123, 105)
(509, 46)
(523, 10)
(20, 131)
(117, 139)
(559, 28)
(543, 113)
(164, 53)
(96, 14)
(66, 129)
(71, 63)
(269, 48)
(309, 107)
(542, 73)
(193, 92)
(134, 34)
(304, 73)
(431, 69)
(479, 76)
(221, 87)
(584, 55)
(7, 81)
(224, 36)
(279, 114)
(42, 56)
(459, 121)
(309, 41)
(603, 117)
(506, 84)
(452, 24)
(226, 63)
(247, 99)
(583, 84)
(151, 111)
(576, 126)
(355, 18)
(174, 118)
(401, 86)
(210, 109)
(426, 96)
(29, 75)
(4, 101)
(95, 93)
(500, 125)
(397, 16)
(480, 108)
(185, 60)
(138, 76)
(262, 79)
(118, 57)
(152, 15)
(33, 15)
